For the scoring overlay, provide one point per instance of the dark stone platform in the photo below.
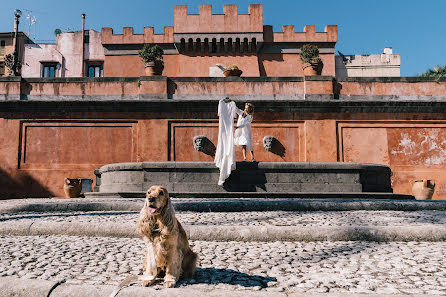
(249, 180)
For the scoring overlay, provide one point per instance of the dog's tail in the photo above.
(189, 264)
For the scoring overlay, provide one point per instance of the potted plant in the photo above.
(312, 63)
(152, 55)
(232, 70)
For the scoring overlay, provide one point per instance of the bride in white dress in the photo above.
(243, 135)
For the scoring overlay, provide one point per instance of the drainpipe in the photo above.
(83, 44)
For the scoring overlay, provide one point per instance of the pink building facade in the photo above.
(66, 57)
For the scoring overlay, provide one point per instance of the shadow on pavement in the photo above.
(227, 276)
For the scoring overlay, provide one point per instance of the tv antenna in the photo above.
(31, 21)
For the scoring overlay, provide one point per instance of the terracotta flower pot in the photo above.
(232, 72)
(72, 187)
(423, 189)
(153, 68)
(311, 69)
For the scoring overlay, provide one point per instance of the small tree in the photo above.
(152, 53)
(310, 54)
(437, 72)
(9, 62)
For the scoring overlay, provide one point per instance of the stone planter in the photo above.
(72, 187)
(153, 68)
(423, 189)
(232, 72)
(311, 69)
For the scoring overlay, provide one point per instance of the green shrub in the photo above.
(152, 53)
(310, 54)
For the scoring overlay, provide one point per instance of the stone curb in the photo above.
(236, 233)
(12, 286)
(219, 205)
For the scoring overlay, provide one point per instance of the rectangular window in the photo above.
(2, 68)
(49, 69)
(87, 37)
(95, 69)
(2, 47)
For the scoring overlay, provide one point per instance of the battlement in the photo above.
(228, 22)
(309, 34)
(128, 37)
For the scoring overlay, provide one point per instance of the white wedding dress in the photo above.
(225, 154)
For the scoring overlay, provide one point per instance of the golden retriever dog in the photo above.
(167, 246)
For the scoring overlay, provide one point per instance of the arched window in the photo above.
(206, 45)
(182, 45)
(222, 45)
(237, 45)
(190, 45)
(214, 45)
(229, 45)
(198, 45)
(245, 45)
(254, 45)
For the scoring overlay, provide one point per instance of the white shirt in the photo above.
(243, 135)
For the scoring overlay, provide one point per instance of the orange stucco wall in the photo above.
(283, 47)
(40, 150)
(41, 147)
(198, 66)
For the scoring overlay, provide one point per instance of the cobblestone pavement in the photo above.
(275, 218)
(311, 267)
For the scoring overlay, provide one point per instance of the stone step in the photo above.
(243, 226)
(269, 195)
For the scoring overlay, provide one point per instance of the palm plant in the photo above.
(437, 72)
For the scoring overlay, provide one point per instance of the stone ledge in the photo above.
(406, 79)
(190, 105)
(266, 233)
(258, 195)
(227, 79)
(218, 204)
(316, 166)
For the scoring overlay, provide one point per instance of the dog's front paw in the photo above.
(169, 283)
(146, 283)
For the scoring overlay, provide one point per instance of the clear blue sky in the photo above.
(415, 29)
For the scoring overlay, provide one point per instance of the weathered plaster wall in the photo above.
(383, 65)
(69, 127)
(289, 64)
(35, 54)
(240, 39)
(67, 51)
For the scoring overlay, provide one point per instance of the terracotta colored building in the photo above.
(6, 48)
(197, 42)
(52, 128)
